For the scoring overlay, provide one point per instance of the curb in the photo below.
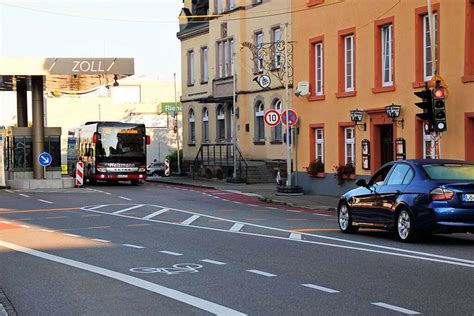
(183, 184)
(6, 307)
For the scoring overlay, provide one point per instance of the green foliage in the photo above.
(341, 172)
(173, 158)
(315, 167)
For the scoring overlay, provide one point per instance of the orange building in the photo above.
(367, 55)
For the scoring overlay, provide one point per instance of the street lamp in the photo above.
(393, 111)
(356, 117)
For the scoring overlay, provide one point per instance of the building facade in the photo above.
(367, 55)
(216, 66)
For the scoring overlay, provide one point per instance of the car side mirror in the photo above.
(362, 183)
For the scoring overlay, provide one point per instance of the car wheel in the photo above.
(405, 226)
(344, 219)
(134, 182)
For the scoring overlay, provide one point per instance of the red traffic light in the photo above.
(438, 93)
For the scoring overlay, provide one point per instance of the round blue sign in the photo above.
(45, 159)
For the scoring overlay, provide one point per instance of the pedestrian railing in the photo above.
(220, 154)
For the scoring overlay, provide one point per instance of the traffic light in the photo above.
(439, 109)
(427, 106)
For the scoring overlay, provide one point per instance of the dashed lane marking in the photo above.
(5, 222)
(128, 209)
(55, 217)
(91, 215)
(133, 246)
(156, 213)
(72, 235)
(138, 225)
(262, 273)
(45, 201)
(25, 226)
(271, 208)
(396, 308)
(101, 240)
(197, 302)
(125, 198)
(171, 253)
(47, 230)
(10, 211)
(23, 195)
(213, 261)
(236, 227)
(190, 220)
(98, 227)
(295, 236)
(320, 288)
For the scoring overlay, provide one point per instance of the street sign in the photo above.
(264, 81)
(171, 107)
(292, 117)
(45, 159)
(272, 117)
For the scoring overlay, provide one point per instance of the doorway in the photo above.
(386, 143)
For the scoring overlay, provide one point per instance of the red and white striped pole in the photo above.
(79, 174)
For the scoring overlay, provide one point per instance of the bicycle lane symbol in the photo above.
(176, 269)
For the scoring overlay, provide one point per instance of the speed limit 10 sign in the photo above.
(272, 117)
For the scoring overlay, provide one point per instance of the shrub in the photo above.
(315, 167)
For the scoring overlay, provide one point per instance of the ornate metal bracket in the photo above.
(271, 59)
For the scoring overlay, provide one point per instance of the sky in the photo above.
(142, 29)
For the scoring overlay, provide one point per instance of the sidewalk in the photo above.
(262, 191)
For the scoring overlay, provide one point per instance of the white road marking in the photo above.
(295, 236)
(156, 213)
(262, 273)
(125, 198)
(72, 235)
(190, 220)
(236, 227)
(133, 246)
(396, 308)
(171, 253)
(237, 202)
(128, 209)
(146, 285)
(320, 214)
(9, 191)
(5, 222)
(101, 240)
(44, 201)
(96, 207)
(213, 261)
(401, 252)
(108, 193)
(271, 208)
(293, 211)
(25, 226)
(320, 288)
(24, 195)
(47, 230)
(252, 205)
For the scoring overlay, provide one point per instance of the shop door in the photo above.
(386, 143)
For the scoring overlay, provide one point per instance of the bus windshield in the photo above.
(117, 141)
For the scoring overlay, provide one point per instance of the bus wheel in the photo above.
(134, 182)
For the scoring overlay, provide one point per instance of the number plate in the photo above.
(122, 176)
(468, 197)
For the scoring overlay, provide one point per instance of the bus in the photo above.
(110, 151)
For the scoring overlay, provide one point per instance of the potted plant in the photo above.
(316, 169)
(344, 172)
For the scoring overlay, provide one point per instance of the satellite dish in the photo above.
(302, 89)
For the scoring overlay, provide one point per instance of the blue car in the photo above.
(412, 197)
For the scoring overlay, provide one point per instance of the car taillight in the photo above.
(441, 194)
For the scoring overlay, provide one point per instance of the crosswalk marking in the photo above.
(133, 246)
(262, 273)
(128, 209)
(295, 236)
(171, 253)
(236, 227)
(320, 288)
(190, 220)
(156, 213)
(213, 261)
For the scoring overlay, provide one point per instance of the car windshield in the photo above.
(462, 172)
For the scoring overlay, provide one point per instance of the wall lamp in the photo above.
(356, 117)
(393, 111)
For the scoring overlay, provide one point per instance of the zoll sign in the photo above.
(90, 66)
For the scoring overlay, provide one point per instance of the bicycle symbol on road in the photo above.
(176, 269)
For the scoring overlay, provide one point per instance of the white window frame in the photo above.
(231, 4)
(278, 130)
(219, 6)
(220, 119)
(205, 64)
(226, 59)
(192, 126)
(318, 69)
(349, 79)
(232, 55)
(191, 69)
(277, 57)
(205, 123)
(426, 26)
(351, 142)
(259, 43)
(319, 141)
(220, 59)
(259, 113)
(387, 54)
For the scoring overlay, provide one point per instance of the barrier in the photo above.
(167, 168)
(79, 174)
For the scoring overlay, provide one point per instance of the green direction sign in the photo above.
(171, 107)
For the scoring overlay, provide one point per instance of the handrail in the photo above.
(220, 154)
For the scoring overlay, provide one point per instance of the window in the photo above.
(469, 43)
(190, 67)
(398, 175)
(204, 65)
(231, 4)
(220, 123)
(259, 122)
(232, 55)
(276, 34)
(220, 59)
(318, 70)
(428, 146)
(192, 126)
(349, 63)
(319, 144)
(205, 125)
(218, 6)
(277, 130)
(225, 58)
(427, 47)
(349, 145)
(387, 58)
(259, 44)
(346, 63)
